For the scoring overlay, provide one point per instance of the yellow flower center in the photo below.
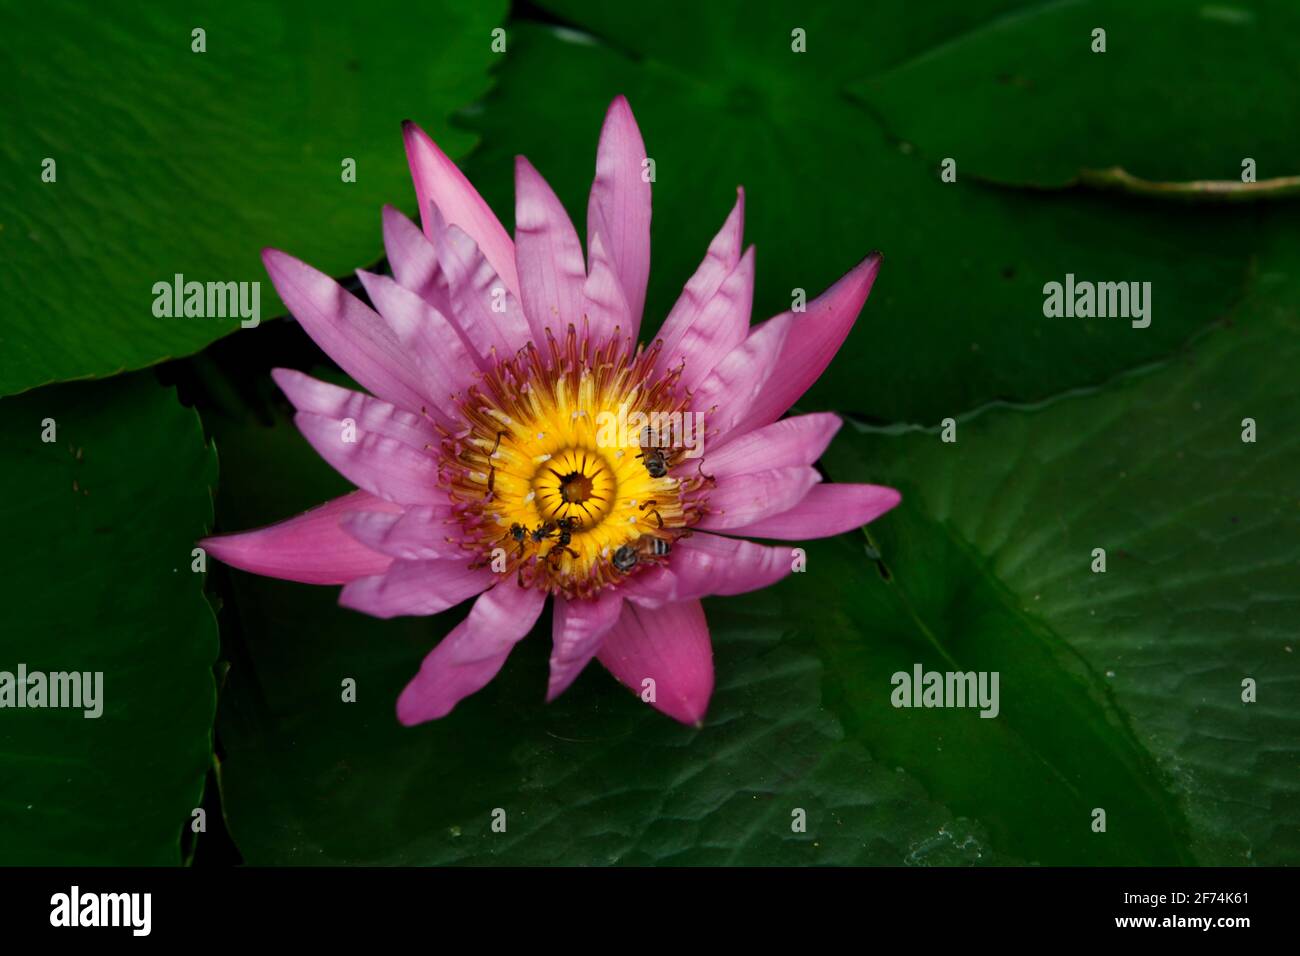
(554, 476)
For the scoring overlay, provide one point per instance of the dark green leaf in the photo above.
(170, 161)
(991, 561)
(97, 577)
(1183, 91)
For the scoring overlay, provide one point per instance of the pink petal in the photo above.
(577, 628)
(551, 270)
(652, 587)
(417, 588)
(792, 441)
(669, 646)
(311, 395)
(604, 305)
(737, 381)
(706, 564)
(485, 310)
(719, 327)
(472, 654)
(741, 500)
(351, 334)
(439, 182)
(381, 465)
(413, 259)
(311, 548)
(429, 338)
(824, 511)
(815, 336)
(719, 262)
(709, 564)
(619, 206)
(422, 532)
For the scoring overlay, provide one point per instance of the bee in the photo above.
(518, 534)
(648, 546)
(562, 529)
(656, 459)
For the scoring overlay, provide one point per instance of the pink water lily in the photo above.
(493, 456)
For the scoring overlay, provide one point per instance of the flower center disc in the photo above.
(547, 482)
(576, 484)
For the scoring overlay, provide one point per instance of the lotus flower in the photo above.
(484, 455)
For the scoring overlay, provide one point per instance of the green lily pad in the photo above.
(169, 161)
(1186, 639)
(596, 778)
(97, 577)
(1182, 92)
(956, 318)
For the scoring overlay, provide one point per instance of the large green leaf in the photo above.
(96, 576)
(172, 161)
(1184, 91)
(991, 559)
(956, 318)
(593, 779)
